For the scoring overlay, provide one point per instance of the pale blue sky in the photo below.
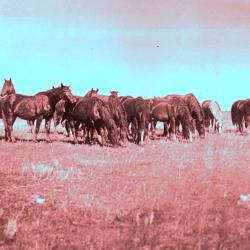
(149, 48)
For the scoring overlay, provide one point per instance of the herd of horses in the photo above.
(114, 120)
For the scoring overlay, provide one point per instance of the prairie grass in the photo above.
(165, 195)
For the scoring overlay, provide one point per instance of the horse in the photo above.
(138, 115)
(107, 124)
(195, 110)
(94, 114)
(117, 110)
(153, 102)
(37, 107)
(174, 115)
(213, 115)
(7, 89)
(94, 93)
(244, 110)
(119, 115)
(237, 116)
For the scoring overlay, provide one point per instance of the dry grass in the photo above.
(166, 195)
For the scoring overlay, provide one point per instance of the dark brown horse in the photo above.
(94, 93)
(194, 107)
(7, 89)
(117, 110)
(138, 116)
(174, 115)
(237, 115)
(244, 114)
(38, 107)
(93, 113)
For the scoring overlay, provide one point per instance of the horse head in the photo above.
(65, 93)
(92, 93)
(114, 93)
(8, 88)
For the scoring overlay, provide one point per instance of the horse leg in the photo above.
(153, 127)
(5, 126)
(47, 128)
(38, 123)
(73, 127)
(31, 123)
(166, 131)
(10, 122)
(92, 133)
(173, 129)
(67, 127)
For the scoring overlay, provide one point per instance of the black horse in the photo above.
(38, 107)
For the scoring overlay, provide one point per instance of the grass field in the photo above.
(165, 195)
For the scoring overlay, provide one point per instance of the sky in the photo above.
(141, 48)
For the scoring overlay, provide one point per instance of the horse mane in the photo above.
(53, 89)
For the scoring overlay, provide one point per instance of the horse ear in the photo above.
(10, 79)
(97, 90)
(62, 85)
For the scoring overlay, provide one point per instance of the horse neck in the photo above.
(54, 96)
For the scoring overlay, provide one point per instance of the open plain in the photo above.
(164, 195)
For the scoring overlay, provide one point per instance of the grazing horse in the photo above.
(117, 110)
(94, 114)
(62, 113)
(38, 107)
(138, 115)
(213, 115)
(181, 111)
(174, 114)
(106, 122)
(195, 110)
(244, 110)
(237, 115)
(119, 115)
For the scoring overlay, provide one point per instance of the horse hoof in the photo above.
(141, 143)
